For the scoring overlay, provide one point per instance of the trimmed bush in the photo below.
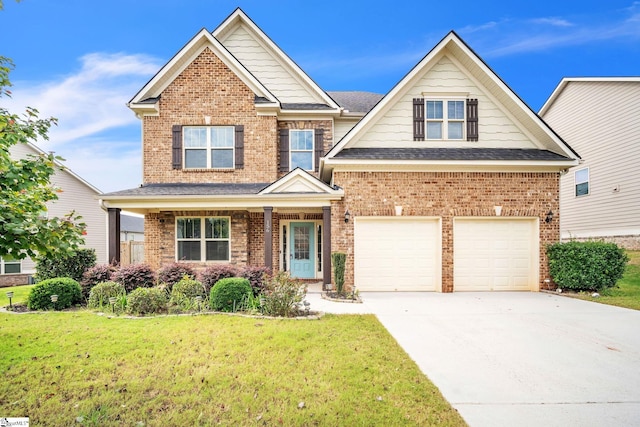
(93, 276)
(586, 266)
(255, 275)
(146, 301)
(184, 293)
(134, 276)
(338, 259)
(212, 274)
(63, 265)
(171, 274)
(228, 294)
(100, 294)
(283, 295)
(67, 289)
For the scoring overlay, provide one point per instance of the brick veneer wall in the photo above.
(446, 195)
(208, 88)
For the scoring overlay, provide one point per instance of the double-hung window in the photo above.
(203, 239)
(209, 147)
(445, 119)
(581, 178)
(10, 266)
(301, 149)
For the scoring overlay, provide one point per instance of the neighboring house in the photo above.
(77, 194)
(131, 228)
(600, 118)
(450, 182)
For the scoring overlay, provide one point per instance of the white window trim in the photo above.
(203, 240)
(209, 148)
(445, 119)
(313, 148)
(3, 269)
(575, 182)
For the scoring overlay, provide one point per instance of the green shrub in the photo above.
(134, 276)
(100, 294)
(146, 301)
(283, 295)
(67, 289)
(212, 274)
(229, 293)
(93, 276)
(588, 266)
(338, 259)
(255, 275)
(63, 265)
(171, 274)
(184, 293)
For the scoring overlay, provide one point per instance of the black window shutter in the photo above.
(239, 147)
(176, 146)
(319, 147)
(472, 119)
(284, 150)
(418, 119)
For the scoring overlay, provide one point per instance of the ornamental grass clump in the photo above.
(229, 294)
(100, 294)
(283, 295)
(67, 290)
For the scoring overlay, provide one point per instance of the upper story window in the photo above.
(301, 149)
(209, 147)
(581, 178)
(203, 239)
(10, 266)
(445, 119)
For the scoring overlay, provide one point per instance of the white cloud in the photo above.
(97, 134)
(555, 22)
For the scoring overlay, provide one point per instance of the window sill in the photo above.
(201, 170)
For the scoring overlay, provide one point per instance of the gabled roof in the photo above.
(565, 81)
(452, 45)
(145, 101)
(239, 20)
(300, 182)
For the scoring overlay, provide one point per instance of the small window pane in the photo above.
(11, 267)
(301, 140)
(189, 251)
(455, 110)
(195, 137)
(582, 175)
(217, 228)
(221, 158)
(188, 228)
(434, 109)
(222, 136)
(195, 158)
(455, 130)
(303, 160)
(434, 130)
(582, 189)
(218, 251)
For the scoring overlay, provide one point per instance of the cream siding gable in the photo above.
(496, 128)
(299, 181)
(599, 118)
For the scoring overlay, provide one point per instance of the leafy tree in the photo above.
(25, 188)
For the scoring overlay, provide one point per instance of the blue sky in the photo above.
(82, 61)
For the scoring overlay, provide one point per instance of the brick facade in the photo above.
(446, 195)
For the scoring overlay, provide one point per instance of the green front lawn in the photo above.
(627, 292)
(20, 294)
(66, 368)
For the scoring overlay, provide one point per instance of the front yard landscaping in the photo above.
(76, 367)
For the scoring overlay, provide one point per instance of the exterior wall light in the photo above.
(347, 216)
(549, 217)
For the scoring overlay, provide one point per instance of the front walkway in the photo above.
(517, 358)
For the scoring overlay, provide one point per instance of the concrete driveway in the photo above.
(518, 359)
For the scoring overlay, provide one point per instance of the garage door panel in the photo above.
(495, 254)
(397, 254)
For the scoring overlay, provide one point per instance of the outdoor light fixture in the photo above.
(199, 301)
(347, 215)
(112, 301)
(10, 295)
(54, 298)
(549, 217)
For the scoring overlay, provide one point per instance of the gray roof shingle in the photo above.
(449, 154)
(179, 189)
(355, 101)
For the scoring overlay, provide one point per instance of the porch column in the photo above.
(268, 237)
(114, 235)
(326, 247)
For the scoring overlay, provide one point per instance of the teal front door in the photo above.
(302, 255)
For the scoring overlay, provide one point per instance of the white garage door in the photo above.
(495, 254)
(397, 254)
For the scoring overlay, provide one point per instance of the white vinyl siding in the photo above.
(397, 254)
(497, 128)
(599, 119)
